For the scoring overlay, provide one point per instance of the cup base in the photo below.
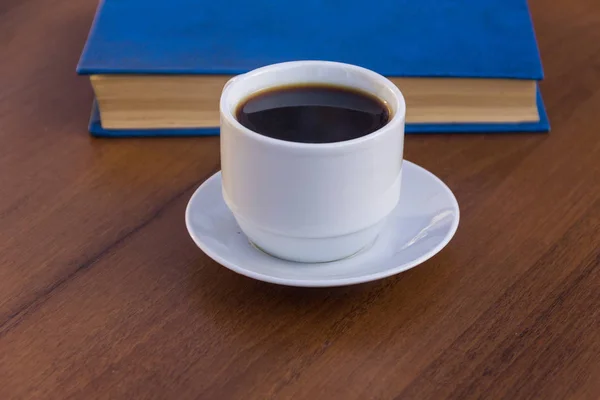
(310, 250)
(257, 247)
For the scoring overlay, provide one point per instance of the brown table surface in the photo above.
(104, 295)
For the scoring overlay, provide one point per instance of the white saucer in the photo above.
(423, 223)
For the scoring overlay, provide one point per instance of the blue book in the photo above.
(157, 67)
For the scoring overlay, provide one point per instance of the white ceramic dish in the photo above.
(424, 221)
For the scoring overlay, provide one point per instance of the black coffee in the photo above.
(313, 113)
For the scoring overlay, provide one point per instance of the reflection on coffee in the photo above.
(313, 113)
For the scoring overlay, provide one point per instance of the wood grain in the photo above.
(103, 295)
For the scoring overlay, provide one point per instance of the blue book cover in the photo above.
(403, 38)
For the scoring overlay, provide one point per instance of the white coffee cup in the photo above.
(310, 202)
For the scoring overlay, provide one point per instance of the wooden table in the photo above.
(104, 295)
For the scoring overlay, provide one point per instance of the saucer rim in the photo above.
(324, 282)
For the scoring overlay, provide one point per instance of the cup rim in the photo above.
(399, 115)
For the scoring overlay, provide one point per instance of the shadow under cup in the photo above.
(311, 202)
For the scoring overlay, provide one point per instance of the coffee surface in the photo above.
(313, 113)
